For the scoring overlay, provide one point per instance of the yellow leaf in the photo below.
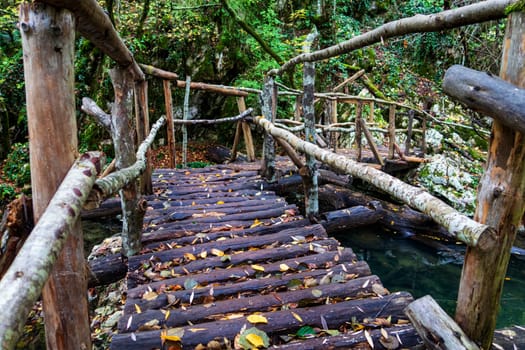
(204, 254)
(217, 252)
(256, 223)
(167, 315)
(257, 319)
(257, 268)
(190, 256)
(137, 308)
(297, 317)
(255, 340)
(193, 203)
(284, 267)
(150, 295)
(220, 202)
(165, 337)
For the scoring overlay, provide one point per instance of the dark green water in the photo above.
(407, 265)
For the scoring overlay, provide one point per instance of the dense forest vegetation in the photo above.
(234, 42)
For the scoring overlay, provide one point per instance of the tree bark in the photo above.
(268, 102)
(465, 229)
(40, 258)
(143, 129)
(48, 43)
(95, 25)
(488, 95)
(437, 329)
(309, 171)
(168, 102)
(500, 205)
(475, 13)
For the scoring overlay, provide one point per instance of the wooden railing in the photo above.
(24, 280)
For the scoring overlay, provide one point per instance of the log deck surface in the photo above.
(218, 248)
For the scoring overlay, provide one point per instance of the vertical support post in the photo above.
(371, 142)
(142, 127)
(309, 172)
(236, 140)
(371, 115)
(122, 132)
(424, 135)
(186, 116)
(268, 102)
(48, 36)
(334, 135)
(247, 132)
(409, 131)
(391, 130)
(297, 112)
(358, 131)
(500, 205)
(168, 102)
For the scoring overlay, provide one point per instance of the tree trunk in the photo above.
(268, 101)
(500, 205)
(48, 42)
(122, 132)
(309, 171)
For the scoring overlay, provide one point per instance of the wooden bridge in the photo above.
(219, 248)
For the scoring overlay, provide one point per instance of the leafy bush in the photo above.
(16, 166)
(7, 193)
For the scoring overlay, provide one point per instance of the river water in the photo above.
(407, 265)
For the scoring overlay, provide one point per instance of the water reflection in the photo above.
(405, 264)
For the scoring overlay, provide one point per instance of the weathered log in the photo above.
(397, 335)
(397, 218)
(437, 329)
(170, 128)
(48, 43)
(109, 208)
(94, 24)
(22, 284)
(348, 270)
(487, 94)
(217, 210)
(268, 110)
(159, 73)
(500, 205)
(475, 13)
(184, 234)
(237, 273)
(283, 236)
(222, 154)
(238, 117)
(143, 129)
(106, 269)
(260, 303)
(279, 321)
(465, 229)
(344, 219)
(220, 89)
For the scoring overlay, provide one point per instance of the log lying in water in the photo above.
(344, 219)
(333, 316)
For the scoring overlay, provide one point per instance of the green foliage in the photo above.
(196, 164)
(16, 165)
(7, 193)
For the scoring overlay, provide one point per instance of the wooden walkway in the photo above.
(218, 249)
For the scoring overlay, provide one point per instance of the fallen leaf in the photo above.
(257, 319)
(217, 252)
(297, 317)
(369, 339)
(284, 267)
(255, 340)
(257, 267)
(137, 308)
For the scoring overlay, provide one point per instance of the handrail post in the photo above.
(268, 102)
(168, 102)
(309, 171)
(391, 130)
(358, 131)
(48, 37)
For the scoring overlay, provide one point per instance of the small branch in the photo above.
(91, 108)
(243, 115)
